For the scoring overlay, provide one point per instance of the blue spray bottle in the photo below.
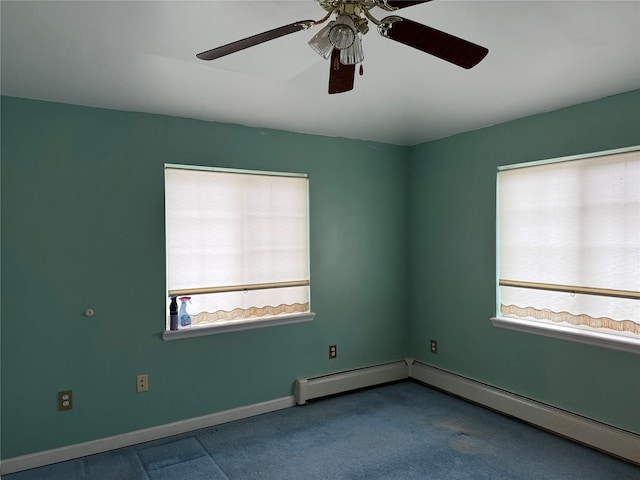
(183, 316)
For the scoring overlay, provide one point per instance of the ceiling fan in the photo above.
(341, 39)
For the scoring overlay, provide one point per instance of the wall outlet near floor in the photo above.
(142, 383)
(434, 346)
(333, 351)
(65, 400)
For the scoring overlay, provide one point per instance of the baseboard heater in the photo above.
(612, 440)
(603, 437)
(324, 385)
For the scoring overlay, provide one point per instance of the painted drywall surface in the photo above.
(83, 227)
(452, 238)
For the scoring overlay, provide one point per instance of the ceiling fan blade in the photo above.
(429, 40)
(341, 76)
(395, 5)
(255, 40)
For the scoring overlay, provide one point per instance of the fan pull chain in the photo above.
(361, 72)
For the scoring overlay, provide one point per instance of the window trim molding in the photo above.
(262, 173)
(569, 158)
(614, 342)
(235, 326)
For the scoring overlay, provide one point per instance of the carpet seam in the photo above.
(211, 457)
(144, 469)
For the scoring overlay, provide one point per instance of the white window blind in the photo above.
(237, 243)
(569, 243)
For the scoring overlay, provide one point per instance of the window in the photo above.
(569, 248)
(237, 244)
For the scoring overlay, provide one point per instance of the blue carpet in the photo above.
(402, 431)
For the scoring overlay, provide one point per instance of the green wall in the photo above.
(452, 238)
(83, 227)
(402, 251)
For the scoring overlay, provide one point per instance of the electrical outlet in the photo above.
(333, 351)
(142, 383)
(434, 346)
(65, 400)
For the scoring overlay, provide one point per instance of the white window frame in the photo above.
(590, 336)
(241, 324)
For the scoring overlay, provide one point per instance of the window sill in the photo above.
(615, 342)
(235, 326)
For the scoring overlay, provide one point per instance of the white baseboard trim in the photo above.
(603, 437)
(70, 452)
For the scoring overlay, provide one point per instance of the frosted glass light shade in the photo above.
(320, 42)
(353, 54)
(343, 32)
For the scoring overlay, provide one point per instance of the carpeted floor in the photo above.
(399, 431)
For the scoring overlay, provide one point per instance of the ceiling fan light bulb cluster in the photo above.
(320, 42)
(342, 33)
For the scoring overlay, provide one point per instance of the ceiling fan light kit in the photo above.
(341, 39)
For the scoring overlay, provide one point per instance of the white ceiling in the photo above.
(140, 56)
